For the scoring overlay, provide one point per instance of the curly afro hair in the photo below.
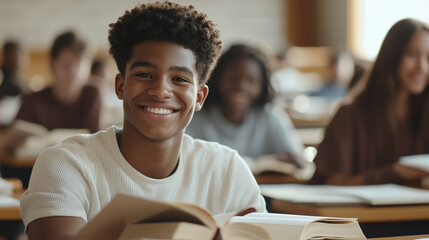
(239, 51)
(169, 22)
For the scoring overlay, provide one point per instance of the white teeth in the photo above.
(159, 110)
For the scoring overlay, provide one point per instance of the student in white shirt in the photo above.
(165, 53)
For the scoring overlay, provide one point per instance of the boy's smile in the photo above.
(160, 89)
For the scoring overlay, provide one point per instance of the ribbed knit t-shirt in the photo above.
(81, 175)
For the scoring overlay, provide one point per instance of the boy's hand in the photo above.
(409, 174)
(245, 211)
(290, 158)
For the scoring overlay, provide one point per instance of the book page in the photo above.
(6, 187)
(244, 231)
(7, 201)
(420, 162)
(349, 230)
(169, 230)
(124, 210)
(290, 226)
(387, 194)
(301, 193)
(33, 145)
(290, 219)
(271, 163)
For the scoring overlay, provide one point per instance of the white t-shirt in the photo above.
(81, 175)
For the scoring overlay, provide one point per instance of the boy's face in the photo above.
(160, 90)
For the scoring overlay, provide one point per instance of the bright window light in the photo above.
(380, 15)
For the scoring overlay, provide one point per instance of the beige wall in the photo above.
(263, 22)
(37, 22)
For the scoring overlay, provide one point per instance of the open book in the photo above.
(128, 217)
(384, 194)
(270, 163)
(28, 139)
(420, 162)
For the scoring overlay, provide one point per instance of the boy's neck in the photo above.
(153, 158)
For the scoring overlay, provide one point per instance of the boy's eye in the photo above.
(180, 79)
(144, 75)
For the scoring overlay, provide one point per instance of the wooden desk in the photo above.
(364, 213)
(13, 213)
(11, 161)
(276, 178)
(403, 237)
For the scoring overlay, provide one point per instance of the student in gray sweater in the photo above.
(238, 111)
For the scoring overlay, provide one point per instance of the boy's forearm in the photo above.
(55, 228)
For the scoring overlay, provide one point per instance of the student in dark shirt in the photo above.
(388, 118)
(68, 103)
(9, 69)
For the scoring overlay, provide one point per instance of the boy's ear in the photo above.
(119, 86)
(202, 93)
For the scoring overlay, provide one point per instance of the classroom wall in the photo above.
(36, 22)
(317, 23)
(272, 24)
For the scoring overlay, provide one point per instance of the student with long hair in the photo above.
(387, 119)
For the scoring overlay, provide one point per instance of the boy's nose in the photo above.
(160, 89)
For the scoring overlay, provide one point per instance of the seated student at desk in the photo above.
(68, 103)
(238, 112)
(10, 70)
(388, 118)
(165, 53)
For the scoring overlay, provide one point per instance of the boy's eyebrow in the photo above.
(175, 68)
(182, 69)
(142, 64)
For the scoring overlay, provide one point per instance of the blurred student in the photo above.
(98, 79)
(69, 102)
(165, 53)
(387, 119)
(340, 72)
(10, 82)
(238, 112)
(10, 86)
(97, 76)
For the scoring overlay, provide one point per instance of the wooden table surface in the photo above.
(13, 213)
(364, 213)
(11, 161)
(403, 237)
(276, 178)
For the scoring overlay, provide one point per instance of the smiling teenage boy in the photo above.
(165, 53)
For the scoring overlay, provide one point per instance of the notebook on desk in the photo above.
(385, 194)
